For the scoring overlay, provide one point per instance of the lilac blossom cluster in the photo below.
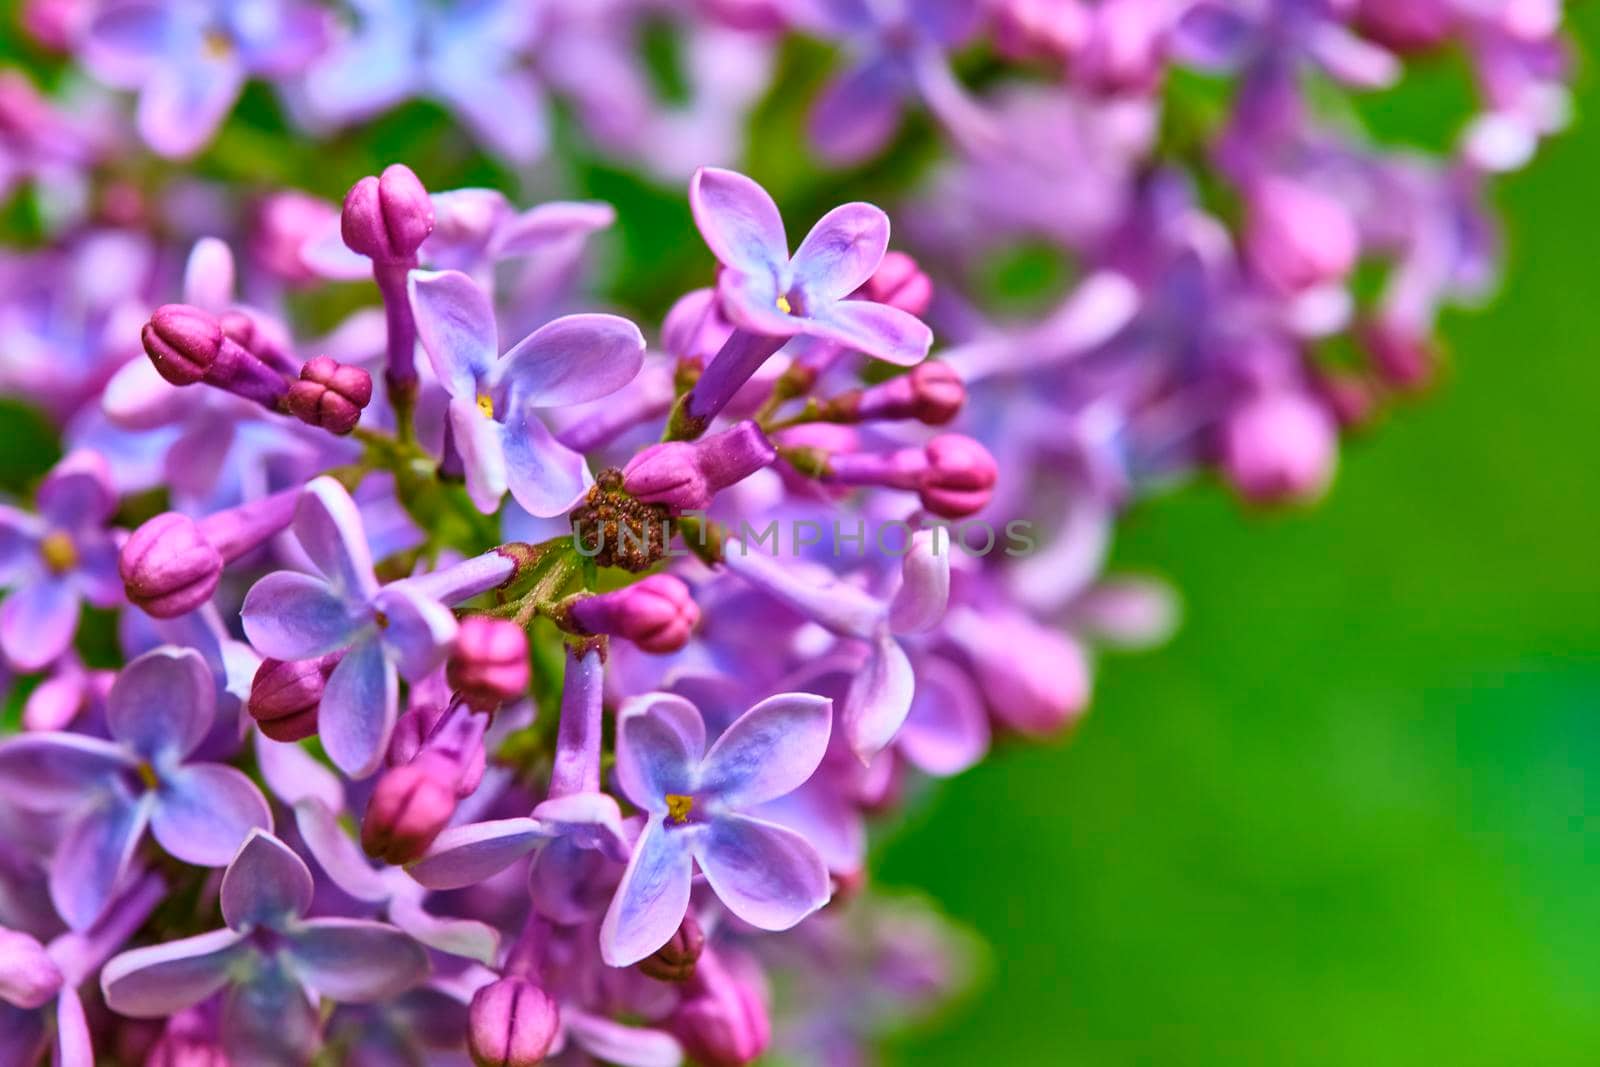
(458, 712)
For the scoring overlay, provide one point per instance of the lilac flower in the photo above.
(271, 961)
(494, 401)
(55, 560)
(293, 616)
(159, 709)
(695, 802)
(189, 59)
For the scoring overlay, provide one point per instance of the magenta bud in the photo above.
(1403, 358)
(511, 1023)
(409, 807)
(1406, 25)
(900, 283)
(489, 665)
(29, 978)
(960, 477)
(1299, 237)
(675, 961)
(722, 1021)
(686, 475)
(285, 694)
(658, 614)
(183, 342)
(330, 395)
(1040, 29)
(185, 1050)
(1035, 680)
(386, 218)
(1278, 447)
(168, 567)
(932, 393)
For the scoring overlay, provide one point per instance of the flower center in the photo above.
(381, 619)
(678, 807)
(486, 405)
(217, 44)
(784, 305)
(147, 775)
(59, 553)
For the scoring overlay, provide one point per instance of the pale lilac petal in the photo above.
(270, 1020)
(204, 812)
(327, 524)
(326, 255)
(879, 699)
(358, 709)
(924, 591)
(857, 114)
(472, 853)
(592, 820)
(126, 42)
(947, 729)
(184, 102)
(768, 751)
(660, 739)
(880, 331)
(570, 884)
(419, 631)
(336, 852)
(19, 537)
(78, 491)
(56, 771)
(464, 220)
(841, 252)
(74, 1046)
(826, 815)
(288, 615)
(739, 221)
(767, 875)
(842, 608)
(371, 72)
(626, 1046)
(162, 980)
(455, 323)
(552, 225)
(208, 276)
(93, 857)
(653, 896)
(356, 960)
(545, 476)
(751, 301)
(481, 441)
(265, 885)
(505, 109)
(162, 703)
(467, 938)
(573, 360)
(294, 775)
(37, 622)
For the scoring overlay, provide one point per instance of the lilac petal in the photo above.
(327, 524)
(19, 537)
(625, 1046)
(880, 331)
(184, 102)
(56, 771)
(660, 739)
(208, 276)
(545, 476)
(369, 73)
(337, 853)
(857, 114)
(506, 110)
(840, 253)
(481, 442)
(469, 854)
(463, 222)
(455, 323)
(326, 255)
(879, 700)
(288, 615)
(204, 812)
(419, 629)
(78, 492)
(842, 608)
(126, 42)
(739, 221)
(22, 1035)
(74, 1045)
(358, 709)
(94, 856)
(162, 980)
(37, 622)
(356, 960)
(825, 815)
(593, 820)
(269, 1020)
(751, 301)
(162, 703)
(294, 775)
(767, 875)
(768, 751)
(466, 938)
(653, 896)
(569, 884)
(555, 224)
(924, 591)
(265, 885)
(947, 729)
(573, 360)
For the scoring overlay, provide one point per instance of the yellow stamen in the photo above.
(486, 405)
(147, 775)
(678, 807)
(381, 619)
(60, 554)
(784, 305)
(217, 44)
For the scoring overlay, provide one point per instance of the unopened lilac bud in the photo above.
(330, 395)
(1405, 359)
(686, 475)
(722, 1021)
(489, 665)
(960, 478)
(285, 695)
(511, 1023)
(1406, 25)
(284, 223)
(900, 283)
(1298, 236)
(168, 567)
(1040, 29)
(409, 807)
(1034, 679)
(29, 978)
(183, 342)
(675, 961)
(658, 614)
(386, 218)
(932, 393)
(1279, 446)
(186, 1050)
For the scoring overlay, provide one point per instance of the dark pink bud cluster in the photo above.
(285, 695)
(511, 1023)
(489, 665)
(658, 614)
(686, 475)
(330, 395)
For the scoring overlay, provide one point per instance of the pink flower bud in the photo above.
(168, 566)
(285, 695)
(1034, 679)
(409, 807)
(900, 283)
(722, 1021)
(1405, 359)
(330, 395)
(960, 478)
(182, 341)
(386, 218)
(686, 475)
(1279, 446)
(186, 1050)
(489, 665)
(512, 1023)
(675, 961)
(284, 222)
(658, 614)
(932, 394)
(29, 978)
(1406, 25)
(1299, 237)
(1040, 29)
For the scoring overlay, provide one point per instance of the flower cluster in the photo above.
(470, 670)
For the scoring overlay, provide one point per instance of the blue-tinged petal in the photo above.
(505, 109)
(372, 71)
(358, 709)
(660, 739)
(467, 938)
(265, 885)
(626, 1046)
(78, 492)
(22, 1035)
(327, 524)
(162, 980)
(37, 622)
(356, 960)
(856, 115)
(751, 300)
(480, 439)
(573, 360)
(455, 323)
(19, 541)
(293, 774)
(739, 221)
(468, 854)
(337, 853)
(162, 704)
(269, 1020)
(58, 771)
(879, 699)
(126, 42)
(591, 820)
(92, 859)
(548, 227)
(416, 630)
(841, 252)
(653, 896)
(185, 100)
(768, 751)
(814, 593)
(767, 875)
(878, 330)
(947, 729)
(204, 812)
(288, 615)
(545, 476)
